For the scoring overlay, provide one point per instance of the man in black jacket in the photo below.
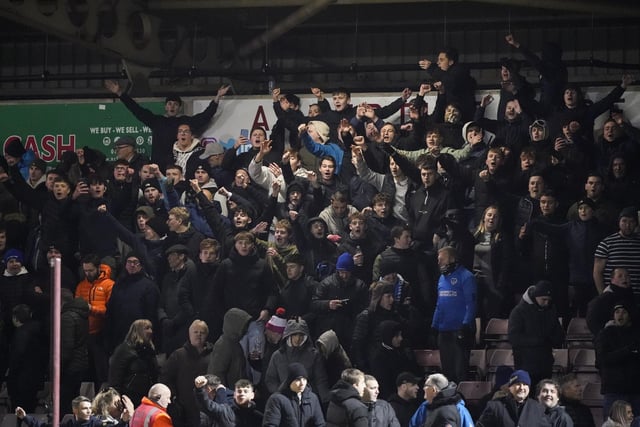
(534, 331)
(293, 404)
(242, 412)
(346, 407)
(618, 358)
(165, 127)
(514, 409)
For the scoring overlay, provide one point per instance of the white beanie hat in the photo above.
(322, 128)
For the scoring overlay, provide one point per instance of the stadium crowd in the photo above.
(304, 266)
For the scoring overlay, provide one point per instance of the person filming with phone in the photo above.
(338, 300)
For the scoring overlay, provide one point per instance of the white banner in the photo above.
(237, 113)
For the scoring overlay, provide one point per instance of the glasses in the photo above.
(133, 262)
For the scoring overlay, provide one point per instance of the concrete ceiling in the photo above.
(155, 35)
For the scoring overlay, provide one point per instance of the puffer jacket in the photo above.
(306, 354)
(75, 334)
(346, 409)
(284, 409)
(97, 294)
(534, 332)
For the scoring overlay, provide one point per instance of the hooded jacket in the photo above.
(97, 294)
(346, 408)
(336, 359)
(618, 357)
(306, 354)
(534, 331)
(600, 309)
(285, 409)
(228, 360)
(443, 409)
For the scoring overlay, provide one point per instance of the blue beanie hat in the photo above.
(13, 253)
(520, 376)
(345, 262)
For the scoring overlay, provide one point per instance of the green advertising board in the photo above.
(51, 129)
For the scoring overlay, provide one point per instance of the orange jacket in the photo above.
(150, 414)
(97, 294)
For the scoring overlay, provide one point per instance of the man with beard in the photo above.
(405, 400)
(153, 197)
(339, 299)
(95, 289)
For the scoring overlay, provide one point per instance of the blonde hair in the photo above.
(103, 400)
(496, 235)
(180, 213)
(135, 336)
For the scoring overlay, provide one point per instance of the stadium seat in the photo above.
(496, 333)
(474, 390)
(428, 360)
(477, 364)
(560, 360)
(87, 389)
(498, 357)
(583, 360)
(578, 334)
(591, 395)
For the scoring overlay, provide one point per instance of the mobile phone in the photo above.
(344, 301)
(246, 147)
